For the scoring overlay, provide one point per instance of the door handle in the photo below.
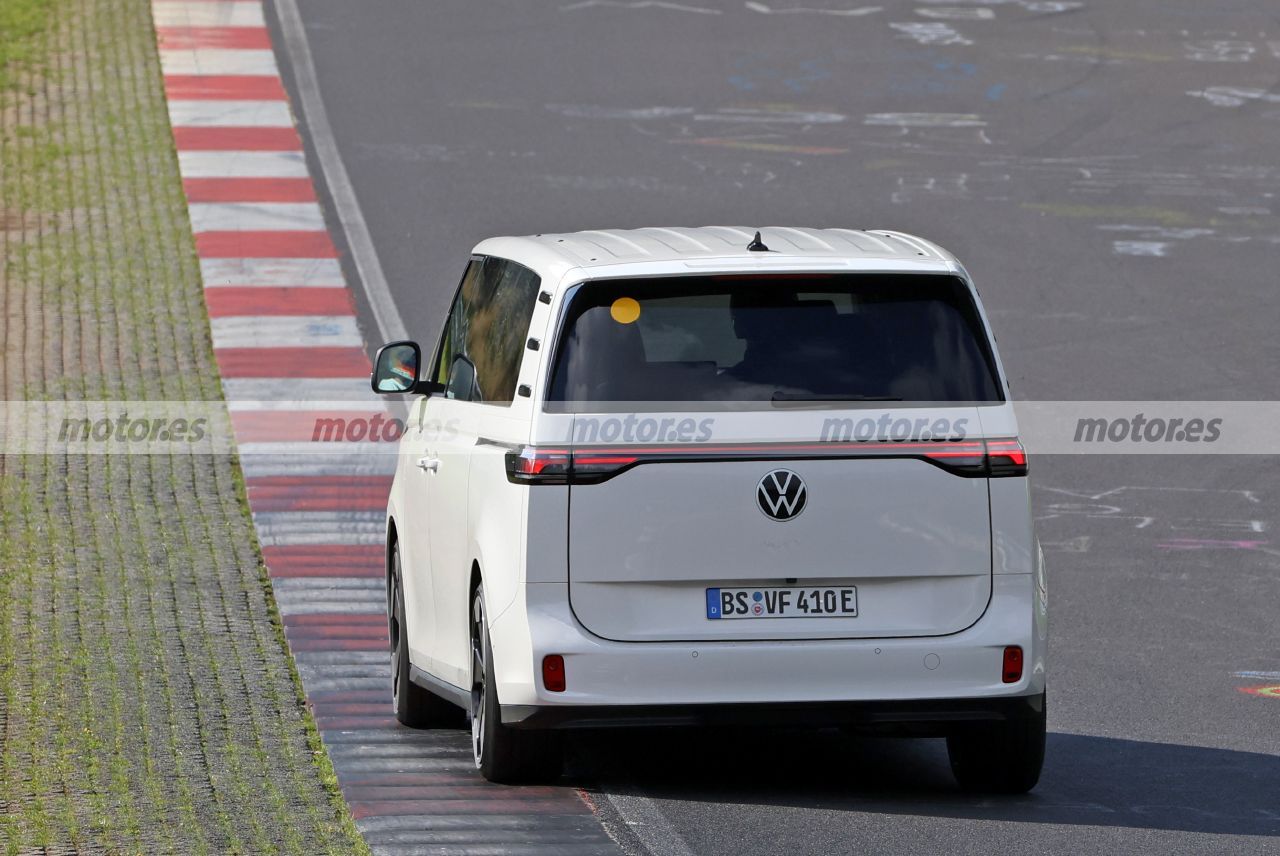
(429, 465)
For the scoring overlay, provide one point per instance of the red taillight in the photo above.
(593, 464)
(529, 465)
(1012, 664)
(553, 673)
(1006, 457)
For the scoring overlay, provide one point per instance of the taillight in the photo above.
(553, 677)
(531, 465)
(1006, 457)
(1012, 672)
(591, 465)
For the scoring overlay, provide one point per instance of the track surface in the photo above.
(1108, 172)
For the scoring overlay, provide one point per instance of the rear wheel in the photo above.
(414, 706)
(1003, 758)
(503, 754)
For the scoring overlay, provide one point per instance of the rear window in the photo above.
(772, 341)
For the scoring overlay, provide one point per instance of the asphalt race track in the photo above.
(1109, 173)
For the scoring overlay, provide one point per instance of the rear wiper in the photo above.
(781, 397)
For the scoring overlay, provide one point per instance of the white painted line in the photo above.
(213, 113)
(640, 4)
(954, 13)
(363, 252)
(242, 164)
(285, 331)
(316, 273)
(925, 120)
(219, 61)
(764, 9)
(256, 216)
(207, 13)
(317, 459)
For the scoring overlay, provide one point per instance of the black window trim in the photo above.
(556, 333)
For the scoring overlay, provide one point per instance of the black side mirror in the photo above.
(395, 368)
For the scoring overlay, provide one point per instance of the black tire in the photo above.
(503, 754)
(1000, 758)
(414, 706)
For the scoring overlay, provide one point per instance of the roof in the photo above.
(611, 247)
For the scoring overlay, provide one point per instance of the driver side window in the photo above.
(484, 339)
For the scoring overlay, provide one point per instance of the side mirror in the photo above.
(395, 368)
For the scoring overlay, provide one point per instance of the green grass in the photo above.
(147, 701)
(21, 24)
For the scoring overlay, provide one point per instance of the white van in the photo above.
(713, 475)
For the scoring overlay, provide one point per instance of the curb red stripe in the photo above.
(189, 38)
(327, 494)
(269, 300)
(197, 139)
(292, 362)
(249, 189)
(332, 618)
(223, 87)
(265, 245)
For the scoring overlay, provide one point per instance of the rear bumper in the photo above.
(831, 680)
(925, 716)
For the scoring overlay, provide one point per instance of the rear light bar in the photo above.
(992, 458)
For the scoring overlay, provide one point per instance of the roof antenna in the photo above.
(757, 245)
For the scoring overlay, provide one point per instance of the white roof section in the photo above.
(707, 247)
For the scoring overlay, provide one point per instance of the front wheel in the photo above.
(503, 754)
(1002, 758)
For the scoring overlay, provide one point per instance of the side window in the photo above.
(484, 339)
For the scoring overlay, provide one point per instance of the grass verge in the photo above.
(147, 700)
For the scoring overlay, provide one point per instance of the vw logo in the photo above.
(781, 495)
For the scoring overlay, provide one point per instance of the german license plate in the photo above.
(833, 602)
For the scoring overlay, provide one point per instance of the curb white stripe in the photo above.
(285, 394)
(317, 459)
(207, 13)
(219, 61)
(256, 216)
(215, 113)
(310, 528)
(312, 273)
(242, 165)
(285, 331)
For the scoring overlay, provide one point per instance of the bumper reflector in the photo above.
(553, 673)
(1012, 664)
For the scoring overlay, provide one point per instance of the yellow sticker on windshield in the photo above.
(625, 310)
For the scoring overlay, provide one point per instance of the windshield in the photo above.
(773, 341)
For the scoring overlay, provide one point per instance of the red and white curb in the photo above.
(284, 330)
